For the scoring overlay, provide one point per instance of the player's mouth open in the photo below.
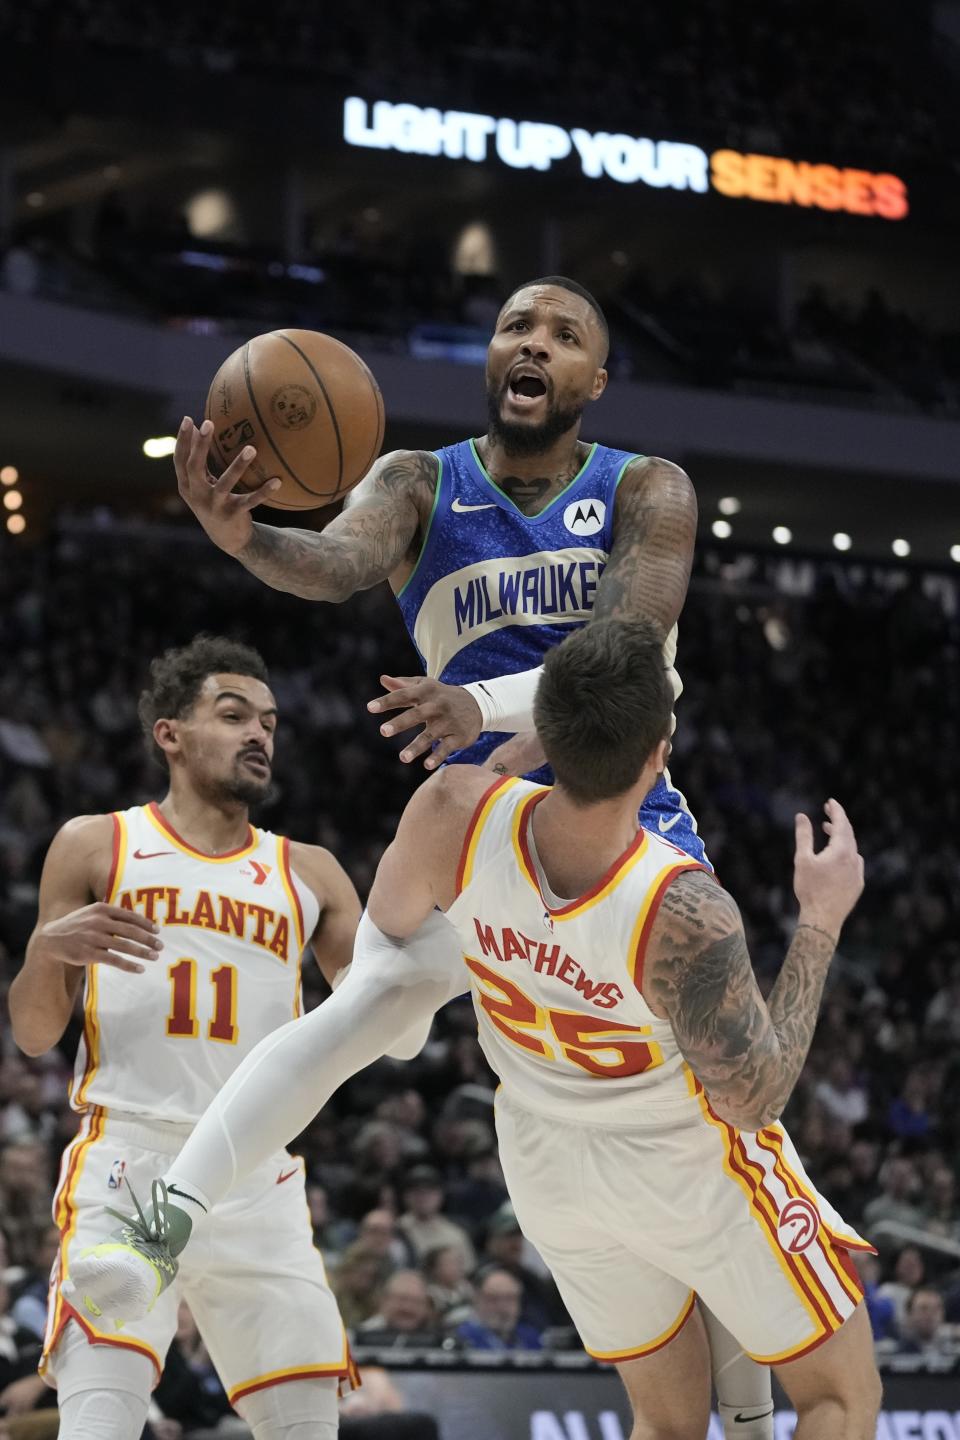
(526, 388)
(256, 761)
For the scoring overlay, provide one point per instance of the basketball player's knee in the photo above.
(856, 1394)
(103, 1391)
(102, 1415)
(299, 1410)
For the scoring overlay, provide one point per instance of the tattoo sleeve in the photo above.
(362, 546)
(747, 1055)
(654, 530)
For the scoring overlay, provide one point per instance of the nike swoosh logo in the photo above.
(670, 823)
(459, 508)
(182, 1194)
(289, 1176)
(740, 1419)
(141, 855)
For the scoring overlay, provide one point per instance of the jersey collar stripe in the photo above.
(618, 1357)
(118, 857)
(286, 875)
(155, 816)
(648, 913)
(509, 504)
(607, 882)
(479, 818)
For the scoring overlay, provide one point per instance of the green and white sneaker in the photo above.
(121, 1278)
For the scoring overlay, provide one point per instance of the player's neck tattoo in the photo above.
(531, 494)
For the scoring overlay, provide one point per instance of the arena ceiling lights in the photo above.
(626, 159)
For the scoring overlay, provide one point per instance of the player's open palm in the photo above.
(828, 883)
(101, 934)
(224, 515)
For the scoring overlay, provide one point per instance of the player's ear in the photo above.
(166, 736)
(599, 384)
(661, 755)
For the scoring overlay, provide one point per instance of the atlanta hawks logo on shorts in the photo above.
(798, 1226)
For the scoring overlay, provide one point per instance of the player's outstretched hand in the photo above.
(449, 715)
(101, 934)
(518, 755)
(827, 883)
(224, 515)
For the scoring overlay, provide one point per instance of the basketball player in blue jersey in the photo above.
(496, 548)
(183, 927)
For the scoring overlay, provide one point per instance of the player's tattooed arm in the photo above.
(365, 544)
(654, 531)
(746, 1054)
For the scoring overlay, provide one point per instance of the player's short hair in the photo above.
(177, 677)
(602, 707)
(563, 282)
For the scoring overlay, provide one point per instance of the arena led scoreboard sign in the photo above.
(626, 159)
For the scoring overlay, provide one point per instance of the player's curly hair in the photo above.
(177, 676)
(602, 707)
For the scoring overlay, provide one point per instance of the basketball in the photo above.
(310, 407)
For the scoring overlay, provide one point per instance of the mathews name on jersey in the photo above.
(162, 1043)
(556, 984)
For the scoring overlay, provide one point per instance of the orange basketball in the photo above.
(311, 408)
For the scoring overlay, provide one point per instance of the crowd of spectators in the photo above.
(802, 679)
(391, 294)
(832, 73)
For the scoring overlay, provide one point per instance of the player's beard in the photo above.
(248, 789)
(523, 438)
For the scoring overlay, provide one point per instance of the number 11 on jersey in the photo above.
(182, 1020)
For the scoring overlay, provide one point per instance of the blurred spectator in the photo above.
(841, 1093)
(909, 1272)
(29, 1294)
(357, 1281)
(445, 1272)
(909, 1115)
(880, 1308)
(942, 1019)
(21, 1389)
(940, 1207)
(404, 1316)
(924, 1331)
(24, 1194)
(421, 1222)
(507, 1248)
(895, 1203)
(190, 1391)
(495, 1323)
(378, 1236)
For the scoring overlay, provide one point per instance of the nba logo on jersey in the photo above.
(117, 1170)
(585, 517)
(548, 920)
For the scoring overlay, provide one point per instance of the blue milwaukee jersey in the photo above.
(493, 589)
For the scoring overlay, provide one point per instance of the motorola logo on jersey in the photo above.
(585, 517)
(798, 1226)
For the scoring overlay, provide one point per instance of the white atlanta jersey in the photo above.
(162, 1043)
(556, 985)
